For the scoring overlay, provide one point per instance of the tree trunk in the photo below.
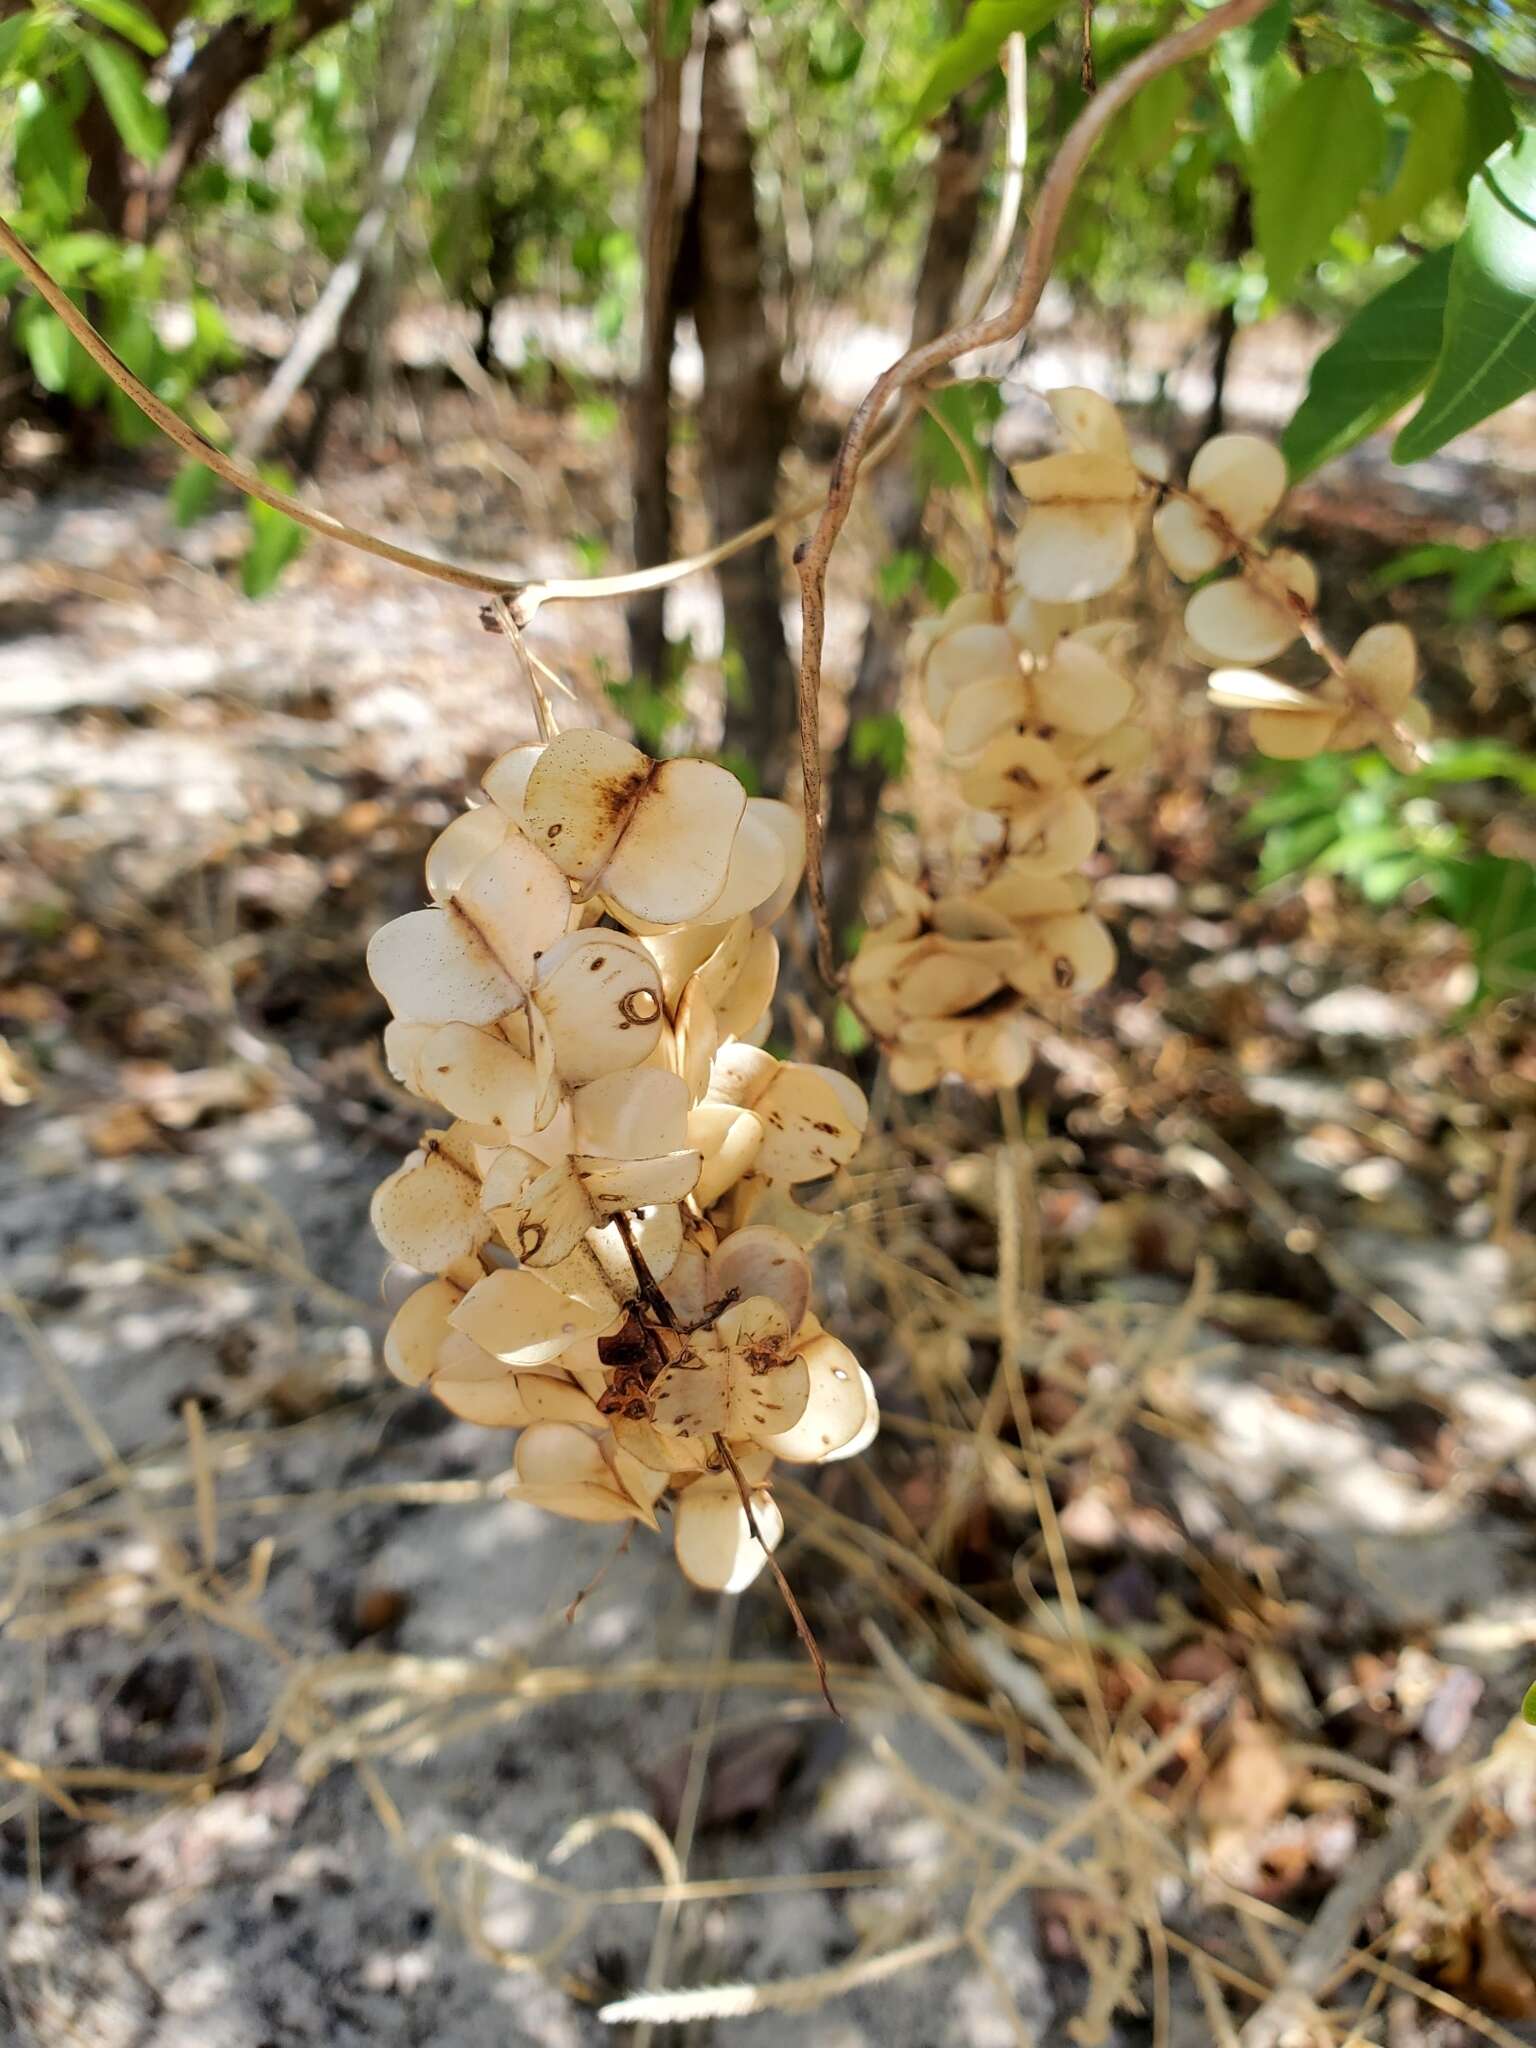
(651, 399)
(856, 786)
(746, 413)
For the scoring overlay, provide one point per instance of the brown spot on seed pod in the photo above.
(639, 1007)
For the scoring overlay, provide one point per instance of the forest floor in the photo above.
(1178, 1618)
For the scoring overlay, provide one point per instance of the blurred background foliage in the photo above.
(187, 169)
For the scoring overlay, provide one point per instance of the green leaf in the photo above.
(137, 119)
(966, 409)
(836, 48)
(1490, 119)
(677, 29)
(1378, 363)
(1479, 761)
(899, 575)
(1150, 122)
(1289, 847)
(941, 586)
(1311, 161)
(1254, 69)
(1488, 348)
(1494, 902)
(965, 57)
(1385, 880)
(1356, 851)
(1436, 112)
(17, 33)
(276, 540)
(46, 341)
(1528, 1707)
(883, 739)
(129, 21)
(192, 493)
(850, 1037)
(50, 164)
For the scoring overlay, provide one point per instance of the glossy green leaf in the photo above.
(1435, 108)
(1528, 1707)
(1312, 160)
(137, 119)
(1381, 360)
(129, 21)
(1488, 348)
(1490, 119)
(965, 57)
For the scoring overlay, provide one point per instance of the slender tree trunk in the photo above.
(856, 786)
(651, 399)
(746, 414)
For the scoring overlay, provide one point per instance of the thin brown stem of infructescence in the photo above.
(657, 1303)
(524, 598)
(543, 715)
(1254, 563)
(796, 1614)
(918, 365)
(645, 1279)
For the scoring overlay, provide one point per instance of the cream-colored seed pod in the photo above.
(1253, 617)
(1079, 535)
(713, 1539)
(1236, 482)
(614, 1127)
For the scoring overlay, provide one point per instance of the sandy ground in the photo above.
(219, 800)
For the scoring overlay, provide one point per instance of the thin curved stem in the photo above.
(919, 364)
(523, 598)
(192, 443)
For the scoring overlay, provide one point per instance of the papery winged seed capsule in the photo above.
(580, 1000)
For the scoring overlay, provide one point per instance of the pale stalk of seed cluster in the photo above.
(1038, 719)
(606, 1250)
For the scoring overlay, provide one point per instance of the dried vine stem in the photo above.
(523, 599)
(918, 364)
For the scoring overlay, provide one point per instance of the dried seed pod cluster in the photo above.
(1038, 720)
(618, 1264)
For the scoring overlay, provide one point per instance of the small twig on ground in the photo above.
(1326, 1950)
